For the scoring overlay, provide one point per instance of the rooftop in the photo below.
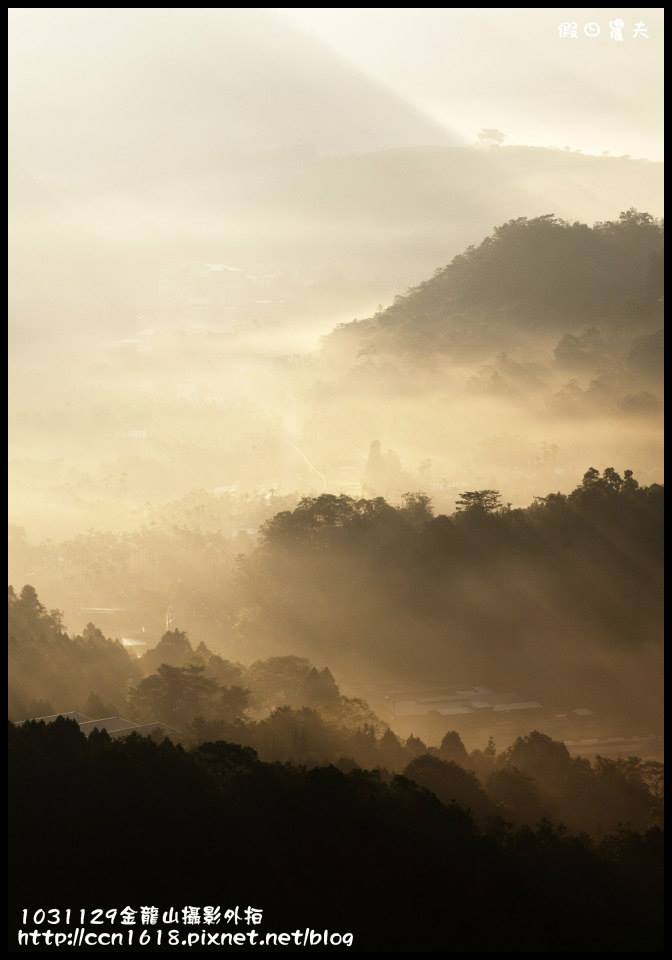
(114, 726)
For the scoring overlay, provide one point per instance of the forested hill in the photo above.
(360, 851)
(541, 274)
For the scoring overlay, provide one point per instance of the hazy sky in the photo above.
(510, 69)
(198, 195)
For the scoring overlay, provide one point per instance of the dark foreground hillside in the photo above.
(103, 823)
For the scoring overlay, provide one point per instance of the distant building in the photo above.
(114, 726)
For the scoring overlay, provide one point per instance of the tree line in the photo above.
(97, 821)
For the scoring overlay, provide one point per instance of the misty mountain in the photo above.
(555, 323)
(218, 194)
(299, 239)
(335, 467)
(134, 97)
(145, 148)
(538, 276)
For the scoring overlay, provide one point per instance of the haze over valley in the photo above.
(335, 474)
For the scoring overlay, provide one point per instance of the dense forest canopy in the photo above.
(542, 274)
(534, 778)
(400, 862)
(566, 593)
(568, 588)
